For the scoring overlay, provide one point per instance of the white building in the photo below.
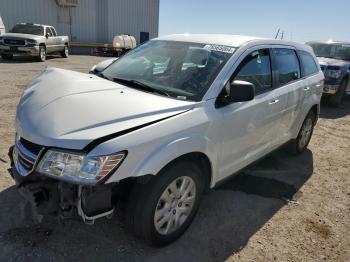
(95, 21)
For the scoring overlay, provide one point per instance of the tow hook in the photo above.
(90, 220)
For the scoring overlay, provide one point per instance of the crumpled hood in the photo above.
(68, 109)
(332, 62)
(22, 36)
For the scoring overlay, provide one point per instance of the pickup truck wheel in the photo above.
(160, 211)
(300, 144)
(65, 52)
(6, 56)
(42, 54)
(335, 100)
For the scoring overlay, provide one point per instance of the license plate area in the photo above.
(13, 48)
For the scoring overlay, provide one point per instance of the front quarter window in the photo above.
(183, 70)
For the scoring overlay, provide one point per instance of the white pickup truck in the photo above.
(33, 40)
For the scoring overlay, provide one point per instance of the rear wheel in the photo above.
(65, 52)
(160, 211)
(42, 54)
(6, 56)
(335, 100)
(300, 144)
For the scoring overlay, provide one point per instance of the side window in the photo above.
(48, 31)
(256, 69)
(287, 64)
(308, 63)
(53, 31)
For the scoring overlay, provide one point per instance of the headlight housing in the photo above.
(333, 73)
(31, 41)
(78, 168)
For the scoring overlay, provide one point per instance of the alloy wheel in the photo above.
(175, 205)
(306, 132)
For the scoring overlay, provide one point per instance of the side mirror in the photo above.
(241, 91)
(47, 35)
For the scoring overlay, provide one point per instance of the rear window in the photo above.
(287, 64)
(309, 66)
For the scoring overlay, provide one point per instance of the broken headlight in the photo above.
(78, 168)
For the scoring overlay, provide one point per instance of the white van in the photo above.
(160, 125)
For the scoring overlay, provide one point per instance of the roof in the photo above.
(230, 40)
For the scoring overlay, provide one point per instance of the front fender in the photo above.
(166, 153)
(163, 154)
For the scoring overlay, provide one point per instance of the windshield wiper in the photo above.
(100, 74)
(140, 85)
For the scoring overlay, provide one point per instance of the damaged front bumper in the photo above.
(49, 196)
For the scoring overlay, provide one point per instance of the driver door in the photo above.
(50, 41)
(251, 129)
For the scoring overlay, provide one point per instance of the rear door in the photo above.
(58, 41)
(250, 129)
(50, 41)
(291, 86)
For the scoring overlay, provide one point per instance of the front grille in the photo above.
(14, 42)
(25, 155)
(33, 148)
(25, 163)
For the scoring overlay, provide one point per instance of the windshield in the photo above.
(28, 29)
(181, 70)
(337, 51)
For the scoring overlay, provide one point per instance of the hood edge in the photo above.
(89, 147)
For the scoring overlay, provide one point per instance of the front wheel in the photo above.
(42, 54)
(160, 211)
(300, 144)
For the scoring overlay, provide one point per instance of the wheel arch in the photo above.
(201, 160)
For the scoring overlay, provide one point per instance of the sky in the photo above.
(301, 20)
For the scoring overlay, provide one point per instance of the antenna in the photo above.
(278, 32)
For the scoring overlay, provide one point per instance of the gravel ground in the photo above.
(285, 208)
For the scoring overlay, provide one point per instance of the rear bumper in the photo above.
(48, 196)
(31, 51)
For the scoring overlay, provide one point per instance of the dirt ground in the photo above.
(286, 208)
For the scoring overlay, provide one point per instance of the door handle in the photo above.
(318, 85)
(272, 102)
(306, 88)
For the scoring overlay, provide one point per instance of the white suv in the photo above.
(160, 125)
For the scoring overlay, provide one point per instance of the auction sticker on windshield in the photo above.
(220, 48)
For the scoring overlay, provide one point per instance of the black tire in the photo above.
(42, 54)
(65, 52)
(336, 99)
(6, 56)
(145, 199)
(296, 146)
